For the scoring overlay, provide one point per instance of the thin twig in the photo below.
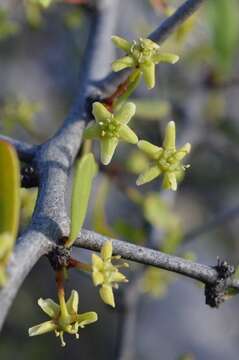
(206, 274)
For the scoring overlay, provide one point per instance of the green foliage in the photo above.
(155, 282)
(148, 109)
(28, 201)
(86, 170)
(73, 19)
(44, 3)
(98, 220)
(127, 231)
(20, 111)
(7, 27)
(224, 27)
(160, 216)
(137, 162)
(9, 203)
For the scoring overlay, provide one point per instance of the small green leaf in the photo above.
(9, 203)
(86, 170)
(224, 27)
(9, 189)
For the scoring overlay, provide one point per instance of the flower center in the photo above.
(109, 128)
(144, 50)
(168, 161)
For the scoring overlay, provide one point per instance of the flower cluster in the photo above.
(106, 274)
(166, 160)
(143, 55)
(111, 128)
(64, 317)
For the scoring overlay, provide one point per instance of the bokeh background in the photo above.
(159, 315)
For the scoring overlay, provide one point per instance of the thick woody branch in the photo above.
(53, 162)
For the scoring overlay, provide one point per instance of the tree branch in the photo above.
(206, 274)
(26, 152)
(54, 160)
(109, 84)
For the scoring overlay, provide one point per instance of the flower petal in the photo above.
(149, 175)
(123, 63)
(106, 250)
(183, 151)
(106, 294)
(170, 136)
(125, 113)
(87, 318)
(100, 112)
(107, 149)
(165, 58)
(128, 135)
(170, 181)
(42, 328)
(149, 74)
(73, 302)
(121, 43)
(97, 262)
(92, 132)
(98, 278)
(151, 150)
(49, 307)
(118, 277)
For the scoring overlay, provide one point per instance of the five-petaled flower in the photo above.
(111, 128)
(106, 274)
(166, 159)
(64, 317)
(143, 55)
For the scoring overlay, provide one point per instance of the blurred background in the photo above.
(159, 315)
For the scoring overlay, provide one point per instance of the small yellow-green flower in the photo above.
(111, 128)
(144, 55)
(166, 160)
(64, 317)
(106, 274)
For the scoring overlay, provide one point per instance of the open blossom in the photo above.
(111, 128)
(143, 55)
(64, 317)
(166, 160)
(105, 274)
